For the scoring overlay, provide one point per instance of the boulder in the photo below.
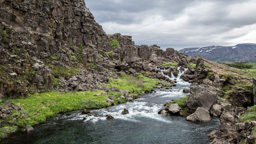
(109, 117)
(174, 108)
(200, 115)
(216, 110)
(130, 99)
(202, 96)
(227, 117)
(125, 111)
(163, 112)
(186, 90)
(27, 129)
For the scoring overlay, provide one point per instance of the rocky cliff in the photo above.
(238, 53)
(58, 45)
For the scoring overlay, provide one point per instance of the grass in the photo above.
(241, 65)
(250, 115)
(248, 68)
(168, 64)
(39, 107)
(115, 43)
(181, 102)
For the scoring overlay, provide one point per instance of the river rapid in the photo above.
(143, 124)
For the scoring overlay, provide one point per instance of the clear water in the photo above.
(142, 125)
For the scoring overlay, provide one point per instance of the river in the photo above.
(143, 124)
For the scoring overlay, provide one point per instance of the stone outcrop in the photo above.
(201, 96)
(200, 115)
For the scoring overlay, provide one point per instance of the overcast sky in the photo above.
(178, 23)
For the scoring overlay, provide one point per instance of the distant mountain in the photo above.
(240, 52)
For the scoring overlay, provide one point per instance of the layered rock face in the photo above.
(33, 32)
(43, 40)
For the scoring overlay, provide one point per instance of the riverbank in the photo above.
(35, 109)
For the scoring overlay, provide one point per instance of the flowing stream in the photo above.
(143, 124)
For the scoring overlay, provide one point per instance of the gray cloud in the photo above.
(178, 23)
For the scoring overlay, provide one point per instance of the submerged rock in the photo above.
(125, 111)
(163, 112)
(201, 115)
(27, 129)
(109, 117)
(85, 111)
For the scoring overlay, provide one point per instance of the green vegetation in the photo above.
(80, 52)
(250, 115)
(207, 64)
(248, 68)
(241, 65)
(181, 102)
(110, 53)
(6, 130)
(168, 64)
(54, 57)
(231, 89)
(192, 65)
(39, 107)
(115, 43)
(59, 71)
(4, 33)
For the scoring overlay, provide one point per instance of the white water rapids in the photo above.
(141, 107)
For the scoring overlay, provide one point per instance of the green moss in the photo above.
(110, 53)
(115, 43)
(168, 64)
(4, 33)
(6, 130)
(55, 82)
(181, 102)
(54, 57)
(209, 74)
(58, 71)
(192, 65)
(250, 115)
(207, 64)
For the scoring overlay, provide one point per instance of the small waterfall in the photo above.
(178, 78)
